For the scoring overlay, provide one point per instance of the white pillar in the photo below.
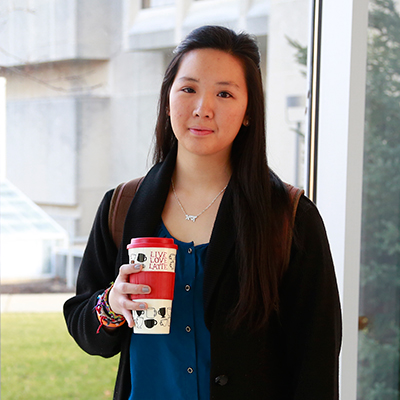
(3, 143)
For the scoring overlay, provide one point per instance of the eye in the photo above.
(224, 95)
(188, 90)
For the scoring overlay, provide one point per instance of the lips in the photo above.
(200, 131)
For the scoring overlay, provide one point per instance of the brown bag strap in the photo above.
(120, 202)
(294, 195)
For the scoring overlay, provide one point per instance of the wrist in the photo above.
(106, 316)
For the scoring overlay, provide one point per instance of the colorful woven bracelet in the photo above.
(106, 316)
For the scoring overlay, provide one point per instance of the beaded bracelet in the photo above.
(106, 316)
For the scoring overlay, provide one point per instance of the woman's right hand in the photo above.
(118, 297)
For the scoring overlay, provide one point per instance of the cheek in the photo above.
(176, 115)
(234, 118)
(179, 111)
(176, 107)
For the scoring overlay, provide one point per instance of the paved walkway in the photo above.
(42, 302)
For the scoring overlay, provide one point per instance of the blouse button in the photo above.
(190, 370)
(188, 329)
(190, 250)
(221, 380)
(187, 287)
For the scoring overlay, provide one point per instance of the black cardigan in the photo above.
(294, 358)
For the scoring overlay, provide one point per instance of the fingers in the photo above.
(126, 269)
(136, 306)
(119, 295)
(122, 304)
(133, 288)
(133, 306)
(122, 284)
(129, 318)
(127, 313)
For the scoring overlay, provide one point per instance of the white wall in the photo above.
(3, 152)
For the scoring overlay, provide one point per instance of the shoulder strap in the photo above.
(294, 196)
(120, 202)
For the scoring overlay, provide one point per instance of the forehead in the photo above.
(211, 64)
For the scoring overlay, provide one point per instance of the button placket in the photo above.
(190, 275)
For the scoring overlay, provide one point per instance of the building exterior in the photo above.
(83, 79)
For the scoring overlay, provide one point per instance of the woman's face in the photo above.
(208, 102)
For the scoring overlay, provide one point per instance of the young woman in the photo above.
(248, 322)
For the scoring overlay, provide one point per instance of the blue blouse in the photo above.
(176, 366)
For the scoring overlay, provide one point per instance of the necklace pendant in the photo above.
(194, 217)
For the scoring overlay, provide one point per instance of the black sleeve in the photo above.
(96, 272)
(310, 310)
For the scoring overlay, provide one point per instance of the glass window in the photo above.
(379, 323)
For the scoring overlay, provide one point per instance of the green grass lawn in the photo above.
(40, 360)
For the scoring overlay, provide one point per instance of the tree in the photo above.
(378, 376)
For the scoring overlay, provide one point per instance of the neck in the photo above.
(199, 172)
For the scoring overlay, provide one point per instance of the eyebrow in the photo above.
(186, 78)
(222, 83)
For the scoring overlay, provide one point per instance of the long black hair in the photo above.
(260, 200)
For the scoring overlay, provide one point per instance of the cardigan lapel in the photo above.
(221, 245)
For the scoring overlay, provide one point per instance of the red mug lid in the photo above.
(152, 242)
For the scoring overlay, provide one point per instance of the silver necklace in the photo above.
(194, 217)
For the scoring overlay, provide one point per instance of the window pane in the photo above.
(379, 335)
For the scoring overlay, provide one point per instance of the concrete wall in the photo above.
(54, 30)
(41, 149)
(136, 78)
(83, 90)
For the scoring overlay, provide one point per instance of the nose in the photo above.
(204, 107)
